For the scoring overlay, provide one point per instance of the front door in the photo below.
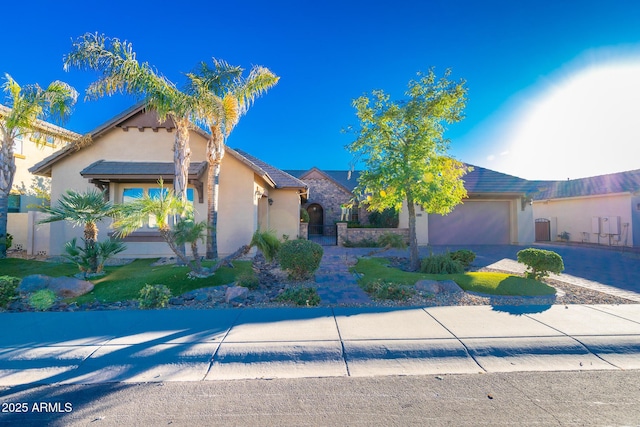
(316, 219)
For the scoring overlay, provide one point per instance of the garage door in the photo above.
(472, 223)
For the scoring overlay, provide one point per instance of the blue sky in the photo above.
(551, 83)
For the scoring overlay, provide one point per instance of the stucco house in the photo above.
(602, 209)
(127, 156)
(28, 152)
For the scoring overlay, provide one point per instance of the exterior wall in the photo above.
(18, 227)
(524, 220)
(238, 205)
(118, 145)
(635, 220)
(574, 215)
(30, 155)
(329, 195)
(358, 234)
(422, 223)
(284, 213)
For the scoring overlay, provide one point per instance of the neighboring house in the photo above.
(127, 156)
(27, 153)
(602, 209)
(497, 211)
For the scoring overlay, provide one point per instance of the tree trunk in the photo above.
(181, 158)
(215, 153)
(167, 236)
(414, 257)
(7, 172)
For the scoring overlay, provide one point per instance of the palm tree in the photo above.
(166, 205)
(84, 210)
(224, 96)
(120, 72)
(27, 105)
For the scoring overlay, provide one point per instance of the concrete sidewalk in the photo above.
(197, 345)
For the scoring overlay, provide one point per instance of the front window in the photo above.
(131, 194)
(18, 146)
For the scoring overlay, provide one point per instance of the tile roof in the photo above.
(479, 180)
(106, 168)
(348, 179)
(280, 178)
(620, 182)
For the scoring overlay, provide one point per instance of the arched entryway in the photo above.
(316, 219)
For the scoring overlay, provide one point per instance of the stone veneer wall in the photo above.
(328, 195)
(358, 234)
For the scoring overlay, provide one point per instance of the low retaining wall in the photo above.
(358, 234)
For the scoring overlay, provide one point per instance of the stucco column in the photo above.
(342, 232)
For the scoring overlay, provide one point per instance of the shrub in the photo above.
(267, 243)
(540, 262)
(363, 243)
(42, 300)
(8, 240)
(464, 257)
(388, 218)
(391, 240)
(304, 215)
(8, 289)
(248, 280)
(441, 264)
(154, 296)
(380, 289)
(300, 258)
(300, 296)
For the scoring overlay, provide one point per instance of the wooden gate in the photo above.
(543, 230)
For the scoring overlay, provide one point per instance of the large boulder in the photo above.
(64, 287)
(34, 283)
(236, 294)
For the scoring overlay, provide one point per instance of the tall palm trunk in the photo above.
(7, 172)
(90, 240)
(215, 153)
(181, 158)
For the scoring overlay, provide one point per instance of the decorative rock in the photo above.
(235, 294)
(437, 287)
(65, 287)
(69, 287)
(34, 283)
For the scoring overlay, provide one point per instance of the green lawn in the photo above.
(483, 282)
(124, 282)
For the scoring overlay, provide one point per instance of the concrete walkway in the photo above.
(205, 345)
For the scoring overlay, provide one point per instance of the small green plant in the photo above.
(267, 242)
(300, 296)
(441, 264)
(300, 258)
(248, 280)
(8, 240)
(154, 296)
(91, 257)
(391, 240)
(363, 243)
(8, 289)
(304, 215)
(380, 289)
(540, 262)
(42, 300)
(464, 257)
